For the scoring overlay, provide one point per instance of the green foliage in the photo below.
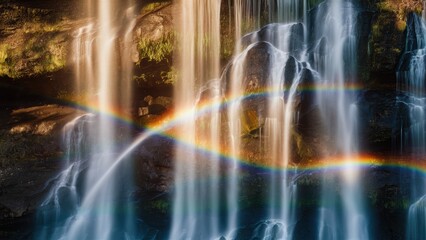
(4, 53)
(154, 6)
(32, 41)
(33, 50)
(157, 51)
(160, 205)
(387, 32)
(400, 8)
(169, 77)
(155, 78)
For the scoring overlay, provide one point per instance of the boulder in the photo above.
(154, 164)
(154, 33)
(286, 37)
(255, 62)
(291, 70)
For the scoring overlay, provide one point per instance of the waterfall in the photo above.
(334, 57)
(198, 62)
(283, 49)
(411, 76)
(256, 13)
(196, 199)
(64, 199)
(411, 102)
(289, 58)
(100, 210)
(417, 220)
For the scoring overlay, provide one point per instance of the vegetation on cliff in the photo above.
(32, 41)
(387, 32)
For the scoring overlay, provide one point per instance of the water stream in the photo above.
(290, 57)
(411, 102)
(79, 206)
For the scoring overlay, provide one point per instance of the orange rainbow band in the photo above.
(171, 120)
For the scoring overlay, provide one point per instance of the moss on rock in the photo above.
(33, 41)
(158, 50)
(387, 34)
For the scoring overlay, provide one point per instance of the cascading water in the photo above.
(411, 102)
(103, 75)
(286, 47)
(201, 20)
(334, 57)
(273, 94)
(63, 200)
(195, 210)
(411, 83)
(264, 85)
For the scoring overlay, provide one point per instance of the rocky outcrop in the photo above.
(154, 42)
(377, 112)
(386, 40)
(35, 43)
(30, 154)
(154, 164)
(154, 32)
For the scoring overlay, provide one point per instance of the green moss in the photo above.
(157, 78)
(303, 150)
(153, 7)
(160, 205)
(156, 50)
(373, 198)
(33, 50)
(169, 77)
(4, 53)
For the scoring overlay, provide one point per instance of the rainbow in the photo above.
(171, 120)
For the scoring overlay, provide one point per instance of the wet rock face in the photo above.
(35, 36)
(377, 112)
(30, 156)
(33, 133)
(154, 33)
(255, 76)
(386, 40)
(154, 164)
(286, 37)
(290, 71)
(256, 68)
(414, 38)
(411, 69)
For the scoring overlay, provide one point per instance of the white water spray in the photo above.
(195, 205)
(411, 76)
(337, 66)
(102, 209)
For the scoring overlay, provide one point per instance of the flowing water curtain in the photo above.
(196, 194)
(254, 81)
(334, 57)
(250, 15)
(411, 124)
(103, 75)
(411, 76)
(64, 199)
